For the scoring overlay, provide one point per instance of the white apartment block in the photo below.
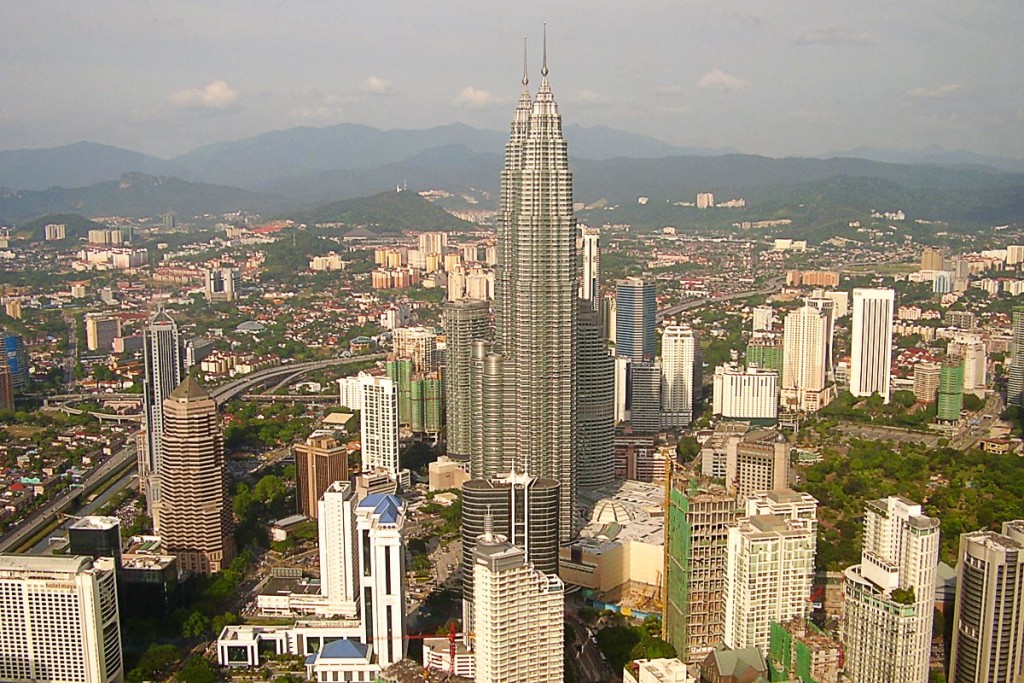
(379, 424)
(59, 620)
(871, 343)
(970, 349)
(339, 584)
(517, 615)
(350, 390)
(892, 592)
(753, 464)
(680, 375)
(417, 344)
(805, 346)
(769, 573)
(745, 393)
(764, 317)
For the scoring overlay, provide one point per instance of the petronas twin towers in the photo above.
(522, 411)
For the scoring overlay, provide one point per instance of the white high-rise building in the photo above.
(768, 577)
(590, 244)
(804, 350)
(350, 391)
(622, 388)
(970, 349)
(517, 616)
(828, 307)
(379, 424)
(892, 592)
(796, 506)
(764, 316)
(380, 519)
(871, 343)
(745, 393)
(680, 375)
(417, 344)
(338, 565)
(162, 354)
(59, 620)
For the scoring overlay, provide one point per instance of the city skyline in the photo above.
(823, 77)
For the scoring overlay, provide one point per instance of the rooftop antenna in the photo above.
(544, 61)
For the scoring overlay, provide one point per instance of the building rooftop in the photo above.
(71, 564)
(386, 505)
(189, 390)
(97, 522)
(142, 562)
(344, 648)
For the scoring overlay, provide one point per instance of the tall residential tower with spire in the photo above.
(532, 368)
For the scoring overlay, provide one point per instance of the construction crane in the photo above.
(452, 636)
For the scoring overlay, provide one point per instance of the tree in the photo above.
(196, 626)
(688, 448)
(197, 670)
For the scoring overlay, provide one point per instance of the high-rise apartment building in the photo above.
(528, 384)
(745, 393)
(768, 577)
(623, 390)
(1015, 373)
(59, 619)
(766, 353)
(596, 403)
(339, 564)
(6, 388)
(681, 375)
(871, 342)
(892, 592)
(969, 350)
(828, 307)
(416, 344)
(805, 348)
(988, 631)
(100, 331)
(590, 283)
(319, 462)
(464, 323)
(764, 317)
(162, 352)
(635, 313)
(932, 259)
(379, 424)
(696, 534)
(221, 284)
(194, 508)
(523, 509)
(517, 615)
(926, 381)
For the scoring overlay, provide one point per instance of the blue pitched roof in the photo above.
(344, 649)
(387, 505)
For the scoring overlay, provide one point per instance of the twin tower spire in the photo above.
(544, 60)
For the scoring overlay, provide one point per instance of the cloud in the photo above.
(474, 98)
(834, 36)
(668, 90)
(940, 92)
(375, 85)
(716, 79)
(314, 105)
(217, 95)
(588, 97)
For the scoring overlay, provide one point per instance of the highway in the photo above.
(587, 660)
(116, 465)
(287, 372)
(772, 286)
(43, 547)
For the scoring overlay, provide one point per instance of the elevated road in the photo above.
(284, 374)
(771, 287)
(114, 467)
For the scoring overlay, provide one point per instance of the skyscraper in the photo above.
(635, 313)
(194, 507)
(379, 424)
(681, 370)
(951, 392)
(892, 592)
(523, 509)
(1015, 375)
(417, 344)
(319, 462)
(805, 347)
(464, 323)
(16, 358)
(517, 615)
(339, 565)
(988, 632)
(828, 307)
(59, 619)
(590, 284)
(380, 520)
(596, 409)
(871, 343)
(645, 396)
(536, 286)
(162, 352)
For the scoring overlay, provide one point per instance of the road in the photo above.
(30, 525)
(287, 372)
(44, 546)
(587, 660)
(969, 435)
(772, 286)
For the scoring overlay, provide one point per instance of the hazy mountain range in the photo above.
(290, 170)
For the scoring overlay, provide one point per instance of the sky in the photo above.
(774, 77)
